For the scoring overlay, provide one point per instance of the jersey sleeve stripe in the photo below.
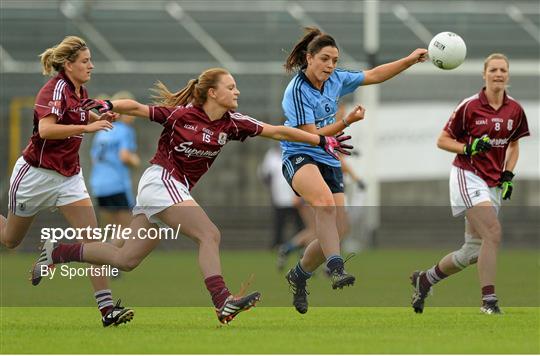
(299, 102)
(239, 116)
(57, 94)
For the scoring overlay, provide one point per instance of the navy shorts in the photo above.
(114, 202)
(333, 176)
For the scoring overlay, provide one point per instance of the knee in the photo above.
(468, 253)
(126, 262)
(325, 207)
(493, 234)
(211, 236)
(10, 244)
(129, 264)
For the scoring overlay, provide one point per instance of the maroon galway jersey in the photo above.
(473, 118)
(57, 98)
(190, 141)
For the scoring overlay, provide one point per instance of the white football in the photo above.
(447, 50)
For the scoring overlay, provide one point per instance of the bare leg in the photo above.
(314, 255)
(80, 214)
(130, 255)
(14, 229)
(120, 217)
(483, 219)
(197, 226)
(309, 183)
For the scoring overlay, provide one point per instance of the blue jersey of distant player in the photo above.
(304, 104)
(109, 174)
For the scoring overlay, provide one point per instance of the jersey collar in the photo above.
(203, 114)
(62, 74)
(303, 75)
(483, 98)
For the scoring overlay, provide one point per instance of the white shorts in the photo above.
(467, 190)
(33, 189)
(157, 191)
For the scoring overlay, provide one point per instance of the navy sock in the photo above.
(334, 263)
(289, 247)
(299, 274)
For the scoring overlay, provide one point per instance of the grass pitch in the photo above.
(266, 330)
(174, 315)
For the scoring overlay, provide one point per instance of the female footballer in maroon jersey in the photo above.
(48, 174)
(483, 131)
(198, 121)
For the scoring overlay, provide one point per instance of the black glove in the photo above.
(360, 184)
(480, 144)
(505, 182)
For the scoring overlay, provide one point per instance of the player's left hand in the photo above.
(109, 116)
(419, 55)
(102, 106)
(505, 182)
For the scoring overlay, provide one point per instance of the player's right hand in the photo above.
(98, 126)
(419, 55)
(356, 114)
(102, 106)
(479, 144)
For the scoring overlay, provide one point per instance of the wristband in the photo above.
(345, 122)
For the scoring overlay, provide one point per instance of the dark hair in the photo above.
(196, 91)
(313, 41)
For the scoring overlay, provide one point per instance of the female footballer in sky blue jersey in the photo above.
(310, 103)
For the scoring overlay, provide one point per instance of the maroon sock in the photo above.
(218, 290)
(488, 293)
(440, 273)
(67, 253)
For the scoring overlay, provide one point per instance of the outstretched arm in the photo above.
(386, 71)
(289, 134)
(123, 106)
(328, 143)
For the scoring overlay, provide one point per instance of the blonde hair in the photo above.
(195, 92)
(495, 56)
(53, 59)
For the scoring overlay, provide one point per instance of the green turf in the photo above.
(274, 330)
(173, 279)
(174, 314)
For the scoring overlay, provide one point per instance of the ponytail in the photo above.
(53, 59)
(312, 42)
(165, 97)
(195, 92)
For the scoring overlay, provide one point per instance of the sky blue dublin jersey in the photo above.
(304, 104)
(109, 174)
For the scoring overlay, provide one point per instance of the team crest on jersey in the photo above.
(222, 138)
(510, 124)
